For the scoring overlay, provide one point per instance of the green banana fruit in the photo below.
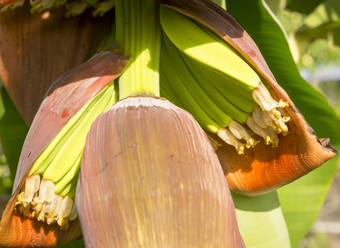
(206, 76)
(221, 83)
(51, 185)
(196, 43)
(69, 143)
(76, 135)
(176, 80)
(171, 80)
(64, 186)
(231, 109)
(188, 81)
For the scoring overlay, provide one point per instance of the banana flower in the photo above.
(147, 165)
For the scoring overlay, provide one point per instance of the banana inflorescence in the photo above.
(50, 188)
(201, 73)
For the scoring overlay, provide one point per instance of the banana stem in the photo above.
(138, 35)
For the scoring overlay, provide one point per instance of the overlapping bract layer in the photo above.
(69, 94)
(150, 178)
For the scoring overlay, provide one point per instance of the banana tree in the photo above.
(139, 145)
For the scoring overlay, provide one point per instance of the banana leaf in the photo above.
(325, 19)
(261, 221)
(75, 244)
(13, 130)
(303, 6)
(302, 200)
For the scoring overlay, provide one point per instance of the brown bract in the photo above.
(261, 168)
(150, 178)
(36, 49)
(66, 97)
(20, 231)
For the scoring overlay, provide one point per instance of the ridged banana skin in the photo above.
(223, 81)
(188, 103)
(189, 82)
(170, 80)
(191, 39)
(62, 154)
(214, 93)
(240, 98)
(69, 182)
(74, 144)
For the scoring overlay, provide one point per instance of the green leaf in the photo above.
(307, 193)
(75, 244)
(302, 200)
(13, 130)
(303, 6)
(326, 12)
(336, 36)
(323, 20)
(261, 221)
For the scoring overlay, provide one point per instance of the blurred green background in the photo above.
(313, 32)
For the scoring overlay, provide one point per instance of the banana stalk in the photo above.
(296, 151)
(34, 199)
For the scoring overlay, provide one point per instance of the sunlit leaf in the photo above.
(261, 221)
(75, 244)
(296, 197)
(303, 6)
(322, 21)
(336, 36)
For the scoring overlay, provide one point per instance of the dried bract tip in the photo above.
(230, 139)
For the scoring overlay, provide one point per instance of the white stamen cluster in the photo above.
(267, 121)
(38, 200)
(270, 112)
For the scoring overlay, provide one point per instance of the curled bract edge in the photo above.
(64, 99)
(263, 168)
